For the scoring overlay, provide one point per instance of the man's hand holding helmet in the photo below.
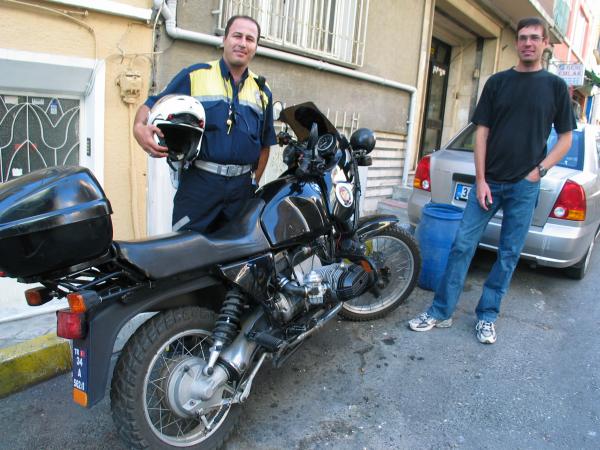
(174, 129)
(145, 134)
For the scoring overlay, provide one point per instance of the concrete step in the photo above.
(401, 193)
(395, 207)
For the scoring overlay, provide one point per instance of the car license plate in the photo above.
(80, 368)
(462, 191)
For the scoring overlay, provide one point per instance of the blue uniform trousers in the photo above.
(205, 201)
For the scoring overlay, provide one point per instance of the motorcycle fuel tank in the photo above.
(294, 211)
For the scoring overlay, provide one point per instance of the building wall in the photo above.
(393, 46)
(389, 24)
(122, 43)
(459, 23)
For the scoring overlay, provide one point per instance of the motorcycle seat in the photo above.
(173, 253)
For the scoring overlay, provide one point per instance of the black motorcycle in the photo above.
(223, 303)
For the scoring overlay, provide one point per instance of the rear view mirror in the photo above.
(363, 139)
(277, 108)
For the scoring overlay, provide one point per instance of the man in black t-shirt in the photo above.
(514, 117)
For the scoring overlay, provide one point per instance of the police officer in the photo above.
(238, 131)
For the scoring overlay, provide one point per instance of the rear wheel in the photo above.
(146, 398)
(578, 271)
(397, 255)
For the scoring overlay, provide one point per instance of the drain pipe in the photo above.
(109, 7)
(168, 10)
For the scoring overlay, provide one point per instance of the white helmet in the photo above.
(181, 118)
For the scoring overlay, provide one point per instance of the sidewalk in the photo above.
(30, 351)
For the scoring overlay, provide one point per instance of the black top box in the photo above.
(52, 219)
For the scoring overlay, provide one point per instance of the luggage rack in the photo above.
(104, 275)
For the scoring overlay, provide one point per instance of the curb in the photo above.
(32, 362)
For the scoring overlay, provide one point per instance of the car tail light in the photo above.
(70, 325)
(570, 204)
(422, 176)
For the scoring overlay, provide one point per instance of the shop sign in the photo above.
(572, 73)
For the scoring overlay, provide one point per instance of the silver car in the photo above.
(566, 221)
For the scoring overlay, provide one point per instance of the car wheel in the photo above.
(578, 271)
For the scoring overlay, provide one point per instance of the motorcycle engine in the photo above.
(331, 283)
(345, 280)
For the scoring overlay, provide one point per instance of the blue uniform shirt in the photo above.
(212, 84)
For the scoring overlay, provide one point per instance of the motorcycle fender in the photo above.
(92, 355)
(369, 226)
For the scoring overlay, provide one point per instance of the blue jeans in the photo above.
(518, 201)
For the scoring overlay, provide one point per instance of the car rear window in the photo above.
(572, 160)
(574, 157)
(465, 141)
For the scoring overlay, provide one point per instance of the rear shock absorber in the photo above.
(226, 327)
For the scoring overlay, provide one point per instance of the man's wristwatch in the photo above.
(542, 170)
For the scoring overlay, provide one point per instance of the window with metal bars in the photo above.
(329, 29)
(37, 132)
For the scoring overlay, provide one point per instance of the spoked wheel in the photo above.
(150, 394)
(397, 255)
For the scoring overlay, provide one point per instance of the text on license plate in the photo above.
(80, 368)
(462, 191)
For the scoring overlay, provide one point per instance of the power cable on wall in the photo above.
(65, 14)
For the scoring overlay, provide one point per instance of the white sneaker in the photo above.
(424, 322)
(486, 332)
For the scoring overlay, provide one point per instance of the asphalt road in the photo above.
(380, 386)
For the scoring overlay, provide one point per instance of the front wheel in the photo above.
(398, 259)
(146, 397)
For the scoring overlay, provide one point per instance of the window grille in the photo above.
(37, 132)
(329, 29)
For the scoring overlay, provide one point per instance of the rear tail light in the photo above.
(422, 176)
(70, 325)
(570, 204)
(2, 273)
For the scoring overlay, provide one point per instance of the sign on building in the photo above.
(572, 73)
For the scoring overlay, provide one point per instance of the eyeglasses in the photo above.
(529, 37)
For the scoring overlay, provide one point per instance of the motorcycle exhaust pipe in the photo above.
(232, 363)
(238, 354)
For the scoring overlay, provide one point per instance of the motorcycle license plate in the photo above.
(462, 192)
(80, 369)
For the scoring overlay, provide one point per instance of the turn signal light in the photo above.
(37, 296)
(33, 297)
(422, 175)
(70, 325)
(76, 302)
(571, 204)
(83, 301)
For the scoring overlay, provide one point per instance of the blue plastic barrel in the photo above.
(435, 235)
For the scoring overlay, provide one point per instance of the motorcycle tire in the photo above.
(397, 252)
(140, 406)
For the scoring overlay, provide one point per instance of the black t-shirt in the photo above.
(520, 108)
